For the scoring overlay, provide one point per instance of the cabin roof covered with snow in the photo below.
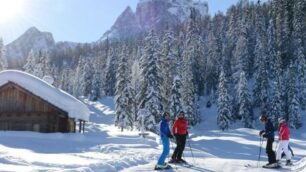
(59, 98)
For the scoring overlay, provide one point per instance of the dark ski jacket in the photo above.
(269, 130)
(164, 128)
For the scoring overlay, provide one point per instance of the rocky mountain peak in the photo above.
(154, 14)
(32, 39)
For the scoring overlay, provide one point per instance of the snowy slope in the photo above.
(104, 148)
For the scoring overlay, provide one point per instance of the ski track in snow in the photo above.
(104, 148)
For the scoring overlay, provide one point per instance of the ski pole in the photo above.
(259, 154)
(172, 147)
(191, 150)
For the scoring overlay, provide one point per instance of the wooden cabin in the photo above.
(23, 110)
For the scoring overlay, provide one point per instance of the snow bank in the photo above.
(75, 108)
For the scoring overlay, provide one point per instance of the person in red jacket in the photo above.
(180, 132)
(284, 134)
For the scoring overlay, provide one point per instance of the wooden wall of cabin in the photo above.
(21, 110)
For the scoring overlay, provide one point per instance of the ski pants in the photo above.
(283, 146)
(270, 152)
(166, 150)
(180, 146)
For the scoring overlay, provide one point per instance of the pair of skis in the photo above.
(276, 167)
(254, 166)
(183, 164)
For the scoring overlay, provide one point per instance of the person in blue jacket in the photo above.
(165, 134)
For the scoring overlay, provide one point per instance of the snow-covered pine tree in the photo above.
(293, 116)
(66, 80)
(224, 118)
(145, 120)
(83, 77)
(190, 66)
(136, 85)
(176, 104)
(261, 87)
(40, 63)
(283, 22)
(168, 65)
(123, 99)
(48, 68)
(240, 53)
(230, 40)
(96, 84)
(277, 110)
(86, 78)
(30, 63)
(299, 51)
(272, 52)
(189, 93)
(150, 95)
(244, 102)
(77, 77)
(3, 60)
(110, 76)
(193, 51)
(214, 57)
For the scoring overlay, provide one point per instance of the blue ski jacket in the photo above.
(164, 128)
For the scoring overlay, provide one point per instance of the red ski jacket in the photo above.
(284, 131)
(180, 126)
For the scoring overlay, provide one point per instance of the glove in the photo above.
(173, 140)
(265, 135)
(261, 132)
(170, 136)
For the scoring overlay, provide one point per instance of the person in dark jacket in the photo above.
(165, 134)
(180, 132)
(268, 133)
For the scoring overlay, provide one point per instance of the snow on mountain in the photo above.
(181, 8)
(104, 148)
(153, 14)
(125, 25)
(32, 39)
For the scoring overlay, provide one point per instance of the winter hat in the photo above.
(165, 114)
(281, 120)
(263, 117)
(181, 112)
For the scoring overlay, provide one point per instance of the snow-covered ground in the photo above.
(104, 148)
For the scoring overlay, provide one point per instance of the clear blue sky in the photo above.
(75, 20)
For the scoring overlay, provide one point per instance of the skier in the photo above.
(283, 143)
(180, 132)
(268, 133)
(165, 134)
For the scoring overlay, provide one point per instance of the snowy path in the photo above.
(104, 148)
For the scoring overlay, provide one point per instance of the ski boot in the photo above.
(288, 163)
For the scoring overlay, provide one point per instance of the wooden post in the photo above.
(74, 126)
(84, 126)
(80, 126)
